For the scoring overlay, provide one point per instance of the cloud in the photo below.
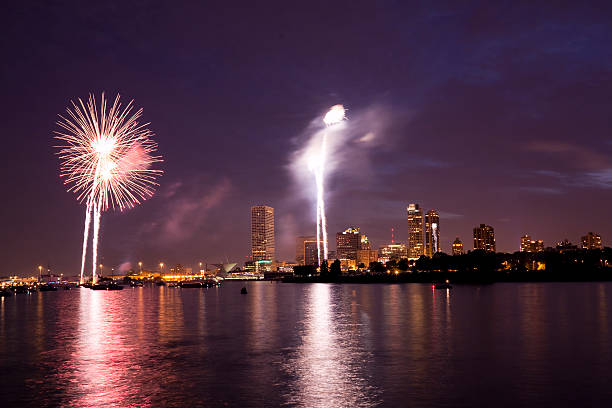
(590, 168)
(186, 208)
(578, 156)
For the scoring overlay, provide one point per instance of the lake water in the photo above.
(310, 345)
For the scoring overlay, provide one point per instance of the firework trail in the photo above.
(106, 161)
(336, 114)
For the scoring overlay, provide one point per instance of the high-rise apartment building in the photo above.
(432, 233)
(591, 241)
(262, 233)
(484, 238)
(457, 247)
(347, 243)
(300, 248)
(415, 231)
(530, 245)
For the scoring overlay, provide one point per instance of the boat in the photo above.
(5, 293)
(107, 286)
(47, 288)
(21, 289)
(136, 284)
(191, 284)
(445, 285)
(243, 291)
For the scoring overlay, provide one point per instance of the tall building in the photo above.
(347, 243)
(311, 256)
(415, 231)
(392, 252)
(591, 241)
(300, 248)
(262, 233)
(365, 243)
(457, 247)
(432, 233)
(484, 238)
(530, 245)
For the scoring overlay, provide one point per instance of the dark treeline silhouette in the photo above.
(477, 267)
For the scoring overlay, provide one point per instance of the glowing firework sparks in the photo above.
(106, 161)
(336, 114)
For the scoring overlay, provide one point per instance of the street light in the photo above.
(161, 269)
(140, 266)
(39, 273)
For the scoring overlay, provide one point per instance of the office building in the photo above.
(457, 247)
(484, 238)
(347, 243)
(393, 252)
(415, 231)
(262, 233)
(311, 256)
(432, 233)
(366, 256)
(300, 248)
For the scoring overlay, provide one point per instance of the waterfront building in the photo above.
(366, 256)
(415, 231)
(300, 248)
(262, 233)
(484, 238)
(392, 252)
(311, 256)
(457, 247)
(432, 233)
(530, 245)
(591, 241)
(348, 243)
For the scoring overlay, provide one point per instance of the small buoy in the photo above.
(243, 291)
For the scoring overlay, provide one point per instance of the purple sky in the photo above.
(497, 115)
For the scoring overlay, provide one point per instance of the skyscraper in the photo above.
(591, 241)
(432, 233)
(415, 231)
(484, 238)
(311, 255)
(262, 233)
(347, 243)
(300, 248)
(457, 247)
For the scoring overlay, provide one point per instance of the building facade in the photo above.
(530, 245)
(393, 252)
(457, 247)
(300, 248)
(432, 233)
(311, 256)
(415, 231)
(348, 242)
(484, 238)
(591, 241)
(262, 233)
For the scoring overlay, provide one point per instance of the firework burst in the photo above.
(106, 160)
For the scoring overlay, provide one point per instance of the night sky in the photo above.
(488, 114)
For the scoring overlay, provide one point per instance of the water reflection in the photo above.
(329, 364)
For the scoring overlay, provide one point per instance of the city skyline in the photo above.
(480, 124)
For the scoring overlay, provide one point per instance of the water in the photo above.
(310, 345)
